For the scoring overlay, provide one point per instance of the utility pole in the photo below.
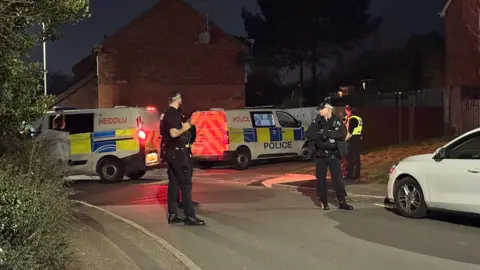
(44, 61)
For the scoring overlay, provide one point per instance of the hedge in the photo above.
(35, 214)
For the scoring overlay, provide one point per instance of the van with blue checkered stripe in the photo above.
(109, 142)
(240, 136)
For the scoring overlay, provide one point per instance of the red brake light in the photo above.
(226, 138)
(142, 135)
(151, 109)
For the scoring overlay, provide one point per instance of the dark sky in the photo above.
(401, 18)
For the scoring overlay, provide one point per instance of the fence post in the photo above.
(411, 117)
(399, 117)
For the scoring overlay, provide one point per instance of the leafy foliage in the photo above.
(35, 213)
(20, 90)
(34, 206)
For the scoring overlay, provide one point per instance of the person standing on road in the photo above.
(188, 136)
(178, 164)
(345, 159)
(354, 139)
(329, 133)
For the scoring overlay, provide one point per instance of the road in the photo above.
(261, 228)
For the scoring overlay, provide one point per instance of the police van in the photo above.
(109, 142)
(240, 136)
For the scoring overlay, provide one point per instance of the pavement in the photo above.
(101, 241)
(253, 227)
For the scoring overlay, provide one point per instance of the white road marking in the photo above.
(384, 205)
(177, 253)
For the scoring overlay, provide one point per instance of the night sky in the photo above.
(401, 18)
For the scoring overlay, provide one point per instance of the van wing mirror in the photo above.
(298, 123)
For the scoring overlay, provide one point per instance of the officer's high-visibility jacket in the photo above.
(358, 129)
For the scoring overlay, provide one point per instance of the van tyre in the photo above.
(136, 175)
(307, 151)
(409, 200)
(242, 159)
(204, 165)
(111, 170)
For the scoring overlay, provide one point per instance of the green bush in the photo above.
(35, 214)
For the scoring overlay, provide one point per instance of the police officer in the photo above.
(354, 139)
(189, 137)
(329, 133)
(178, 163)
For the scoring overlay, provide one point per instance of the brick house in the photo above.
(462, 42)
(162, 51)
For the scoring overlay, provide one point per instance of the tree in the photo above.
(308, 32)
(20, 88)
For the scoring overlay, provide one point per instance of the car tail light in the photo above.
(151, 109)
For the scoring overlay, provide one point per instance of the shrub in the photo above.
(35, 213)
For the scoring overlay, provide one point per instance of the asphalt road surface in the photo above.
(261, 228)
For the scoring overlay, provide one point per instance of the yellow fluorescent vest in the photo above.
(358, 129)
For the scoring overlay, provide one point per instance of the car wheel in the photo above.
(409, 199)
(136, 175)
(242, 159)
(307, 152)
(111, 170)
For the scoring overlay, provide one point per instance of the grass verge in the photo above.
(376, 163)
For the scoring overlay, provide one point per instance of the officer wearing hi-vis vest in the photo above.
(354, 139)
(328, 132)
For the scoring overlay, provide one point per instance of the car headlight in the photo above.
(392, 169)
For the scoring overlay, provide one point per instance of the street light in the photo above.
(44, 61)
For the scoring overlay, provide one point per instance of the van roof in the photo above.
(118, 108)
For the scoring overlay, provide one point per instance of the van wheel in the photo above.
(307, 151)
(111, 170)
(204, 165)
(242, 159)
(409, 200)
(136, 175)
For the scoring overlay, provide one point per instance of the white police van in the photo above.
(108, 142)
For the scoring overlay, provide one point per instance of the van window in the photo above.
(286, 120)
(79, 123)
(263, 119)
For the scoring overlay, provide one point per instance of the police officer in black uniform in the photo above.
(178, 163)
(329, 132)
(189, 137)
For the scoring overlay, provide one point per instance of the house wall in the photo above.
(462, 44)
(158, 53)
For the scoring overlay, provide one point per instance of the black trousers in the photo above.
(353, 157)
(189, 152)
(332, 162)
(179, 178)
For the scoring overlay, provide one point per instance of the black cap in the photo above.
(175, 95)
(324, 105)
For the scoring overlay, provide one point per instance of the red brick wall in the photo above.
(158, 53)
(462, 40)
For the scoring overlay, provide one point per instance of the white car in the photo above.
(448, 179)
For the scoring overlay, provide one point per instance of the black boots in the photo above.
(175, 218)
(343, 205)
(194, 221)
(190, 221)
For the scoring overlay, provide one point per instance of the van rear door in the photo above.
(150, 125)
(212, 134)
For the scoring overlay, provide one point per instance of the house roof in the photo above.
(192, 10)
(443, 12)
